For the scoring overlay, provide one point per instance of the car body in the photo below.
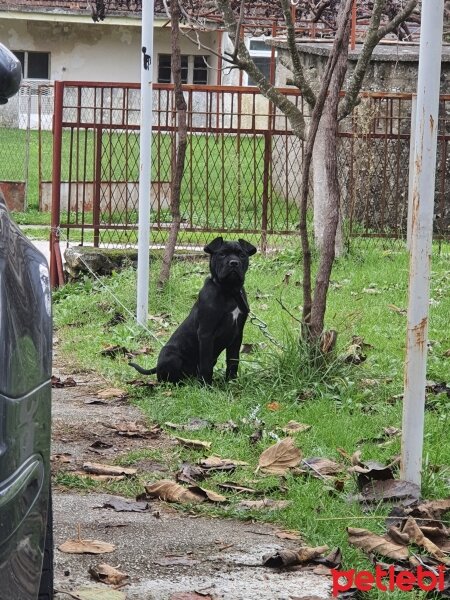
(26, 547)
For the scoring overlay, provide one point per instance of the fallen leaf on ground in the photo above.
(247, 348)
(280, 457)
(122, 505)
(113, 351)
(107, 574)
(293, 427)
(108, 393)
(57, 382)
(101, 444)
(417, 537)
(319, 466)
(169, 491)
(283, 534)
(100, 469)
(289, 558)
(215, 463)
(133, 429)
(390, 489)
(64, 457)
(80, 546)
(371, 542)
(194, 444)
(190, 474)
(266, 503)
(95, 593)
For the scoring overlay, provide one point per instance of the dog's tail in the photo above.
(142, 370)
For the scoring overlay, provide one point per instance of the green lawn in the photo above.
(346, 405)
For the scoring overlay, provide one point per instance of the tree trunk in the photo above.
(322, 194)
(181, 144)
(331, 210)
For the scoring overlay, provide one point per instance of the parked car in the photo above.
(26, 541)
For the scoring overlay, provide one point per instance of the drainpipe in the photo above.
(421, 219)
(145, 164)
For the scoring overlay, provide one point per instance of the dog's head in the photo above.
(229, 260)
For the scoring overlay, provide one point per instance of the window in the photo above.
(262, 57)
(193, 69)
(35, 65)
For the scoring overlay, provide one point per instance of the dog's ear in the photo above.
(213, 246)
(247, 247)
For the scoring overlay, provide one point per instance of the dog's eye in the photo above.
(242, 255)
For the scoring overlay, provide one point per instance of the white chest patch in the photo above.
(235, 313)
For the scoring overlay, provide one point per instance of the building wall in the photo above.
(94, 51)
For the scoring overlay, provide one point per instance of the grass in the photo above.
(345, 405)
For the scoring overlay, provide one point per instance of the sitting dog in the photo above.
(215, 323)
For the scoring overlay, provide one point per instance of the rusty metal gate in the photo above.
(241, 173)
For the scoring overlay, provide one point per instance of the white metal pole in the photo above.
(412, 151)
(145, 165)
(421, 237)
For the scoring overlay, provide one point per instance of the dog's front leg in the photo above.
(233, 358)
(206, 357)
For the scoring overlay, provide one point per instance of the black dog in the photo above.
(215, 323)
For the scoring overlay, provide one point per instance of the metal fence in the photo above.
(243, 165)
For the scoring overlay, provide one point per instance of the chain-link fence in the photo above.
(26, 148)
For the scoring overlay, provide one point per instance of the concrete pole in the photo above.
(412, 150)
(421, 237)
(145, 171)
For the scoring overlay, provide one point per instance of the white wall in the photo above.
(93, 51)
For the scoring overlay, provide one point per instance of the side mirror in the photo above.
(10, 74)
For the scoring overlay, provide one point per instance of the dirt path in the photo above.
(164, 552)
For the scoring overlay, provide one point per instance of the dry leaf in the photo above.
(293, 427)
(100, 469)
(215, 463)
(371, 542)
(107, 574)
(390, 489)
(169, 491)
(133, 429)
(288, 558)
(280, 457)
(273, 406)
(81, 546)
(108, 393)
(57, 382)
(194, 444)
(418, 538)
(283, 534)
(322, 466)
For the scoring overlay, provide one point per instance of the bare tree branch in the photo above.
(374, 35)
(299, 78)
(245, 62)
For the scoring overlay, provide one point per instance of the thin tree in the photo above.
(179, 155)
(327, 106)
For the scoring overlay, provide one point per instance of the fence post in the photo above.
(97, 186)
(56, 274)
(266, 184)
